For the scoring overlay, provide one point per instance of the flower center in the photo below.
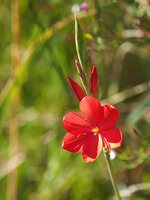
(95, 130)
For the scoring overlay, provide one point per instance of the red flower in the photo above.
(93, 130)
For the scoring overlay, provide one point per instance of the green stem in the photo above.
(111, 173)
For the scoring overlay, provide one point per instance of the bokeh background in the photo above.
(37, 53)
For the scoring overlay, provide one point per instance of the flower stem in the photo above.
(111, 173)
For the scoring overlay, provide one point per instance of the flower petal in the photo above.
(91, 148)
(113, 136)
(94, 82)
(76, 123)
(77, 89)
(111, 116)
(92, 110)
(73, 143)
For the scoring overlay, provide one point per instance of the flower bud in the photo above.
(80, 71)
(94, 82)
(75, 8)
(112, 154)
(84, 6)
(77, 89)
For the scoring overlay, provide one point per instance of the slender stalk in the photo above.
(12, 180)
(111, 173)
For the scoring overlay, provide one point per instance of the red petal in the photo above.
(92, 110)
(113, 137)
(94, 82)
(73, 143)
(76, 123)
(77, 89)
(91, 148)
(111, 116)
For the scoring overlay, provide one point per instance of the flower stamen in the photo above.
(95, 130)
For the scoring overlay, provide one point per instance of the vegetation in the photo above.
(38, 51)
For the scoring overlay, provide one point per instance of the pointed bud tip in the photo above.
(77, 89)
(76, 61)
(77, 64)
(80, 71)
(94, 68)
(94, 82)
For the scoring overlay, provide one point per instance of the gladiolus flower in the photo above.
(94, 82)
(89, 132)
(77, 89)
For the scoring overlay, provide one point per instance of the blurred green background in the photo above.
(33, 165)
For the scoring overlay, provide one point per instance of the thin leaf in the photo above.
(136, 114)
(80, 44)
